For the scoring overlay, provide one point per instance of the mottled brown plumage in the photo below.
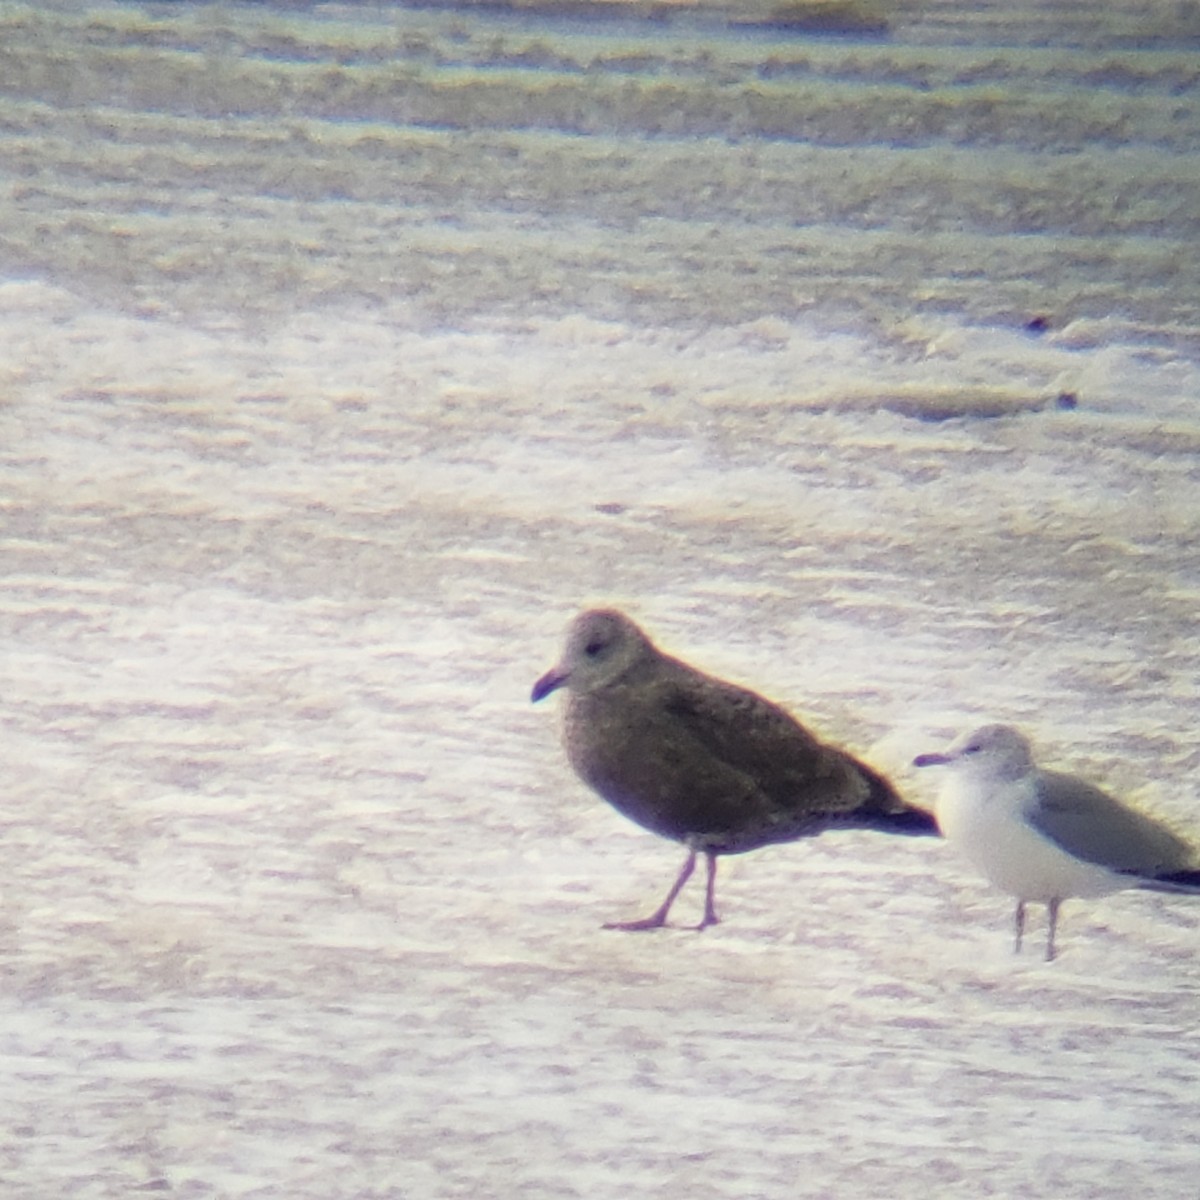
(702, 761)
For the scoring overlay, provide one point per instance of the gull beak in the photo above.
(550, 682)
(932, 760)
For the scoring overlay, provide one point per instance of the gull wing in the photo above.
(1092, 825)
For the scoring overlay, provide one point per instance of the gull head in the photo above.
(993, 752)
(602, 644)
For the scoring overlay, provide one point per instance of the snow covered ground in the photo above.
(299, 895)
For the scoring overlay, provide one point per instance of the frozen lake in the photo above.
(345, 353)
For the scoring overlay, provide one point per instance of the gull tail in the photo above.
(914, 822)
(886, 811)
(1186, 882)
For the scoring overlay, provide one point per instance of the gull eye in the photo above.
(973, 748)
(593, 648)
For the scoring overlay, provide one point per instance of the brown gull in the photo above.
(701, 761)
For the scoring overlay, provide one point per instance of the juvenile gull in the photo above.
(701, 761)
(1042, 836)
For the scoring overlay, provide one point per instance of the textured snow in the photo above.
(300, 897)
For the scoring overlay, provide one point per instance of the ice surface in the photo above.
(309, 451)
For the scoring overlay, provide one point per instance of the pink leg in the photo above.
(1019, 925)
(710, 892)
(658, 919)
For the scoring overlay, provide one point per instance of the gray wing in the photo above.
(1091, 825)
